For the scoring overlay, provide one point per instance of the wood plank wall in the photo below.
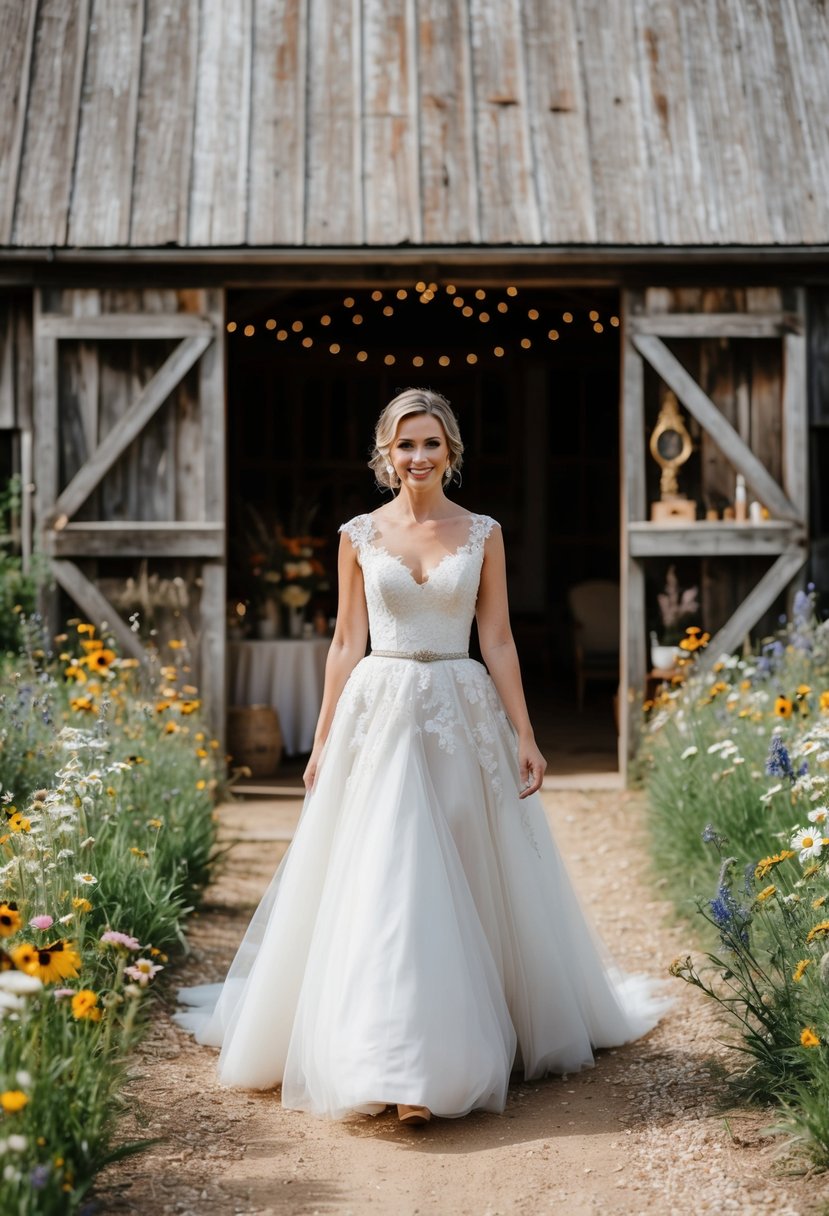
(384, 122)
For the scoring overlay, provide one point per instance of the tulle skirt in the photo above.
(421, 939)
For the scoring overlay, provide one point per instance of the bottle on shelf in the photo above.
(740, 507)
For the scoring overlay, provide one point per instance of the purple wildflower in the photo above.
(778, 761)
(39, 1176)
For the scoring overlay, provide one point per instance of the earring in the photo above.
(448, 474)
(390, 469)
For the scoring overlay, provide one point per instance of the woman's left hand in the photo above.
(531, 766)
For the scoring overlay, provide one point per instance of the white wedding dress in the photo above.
(421, 939)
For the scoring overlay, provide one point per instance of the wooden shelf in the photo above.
(713, 538)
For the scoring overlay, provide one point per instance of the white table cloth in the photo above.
(287, 674)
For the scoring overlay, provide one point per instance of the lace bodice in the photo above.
(406, 615)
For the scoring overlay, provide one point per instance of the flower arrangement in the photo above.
(107, 834)
(677, 608)
(282, 570)
(736, 763)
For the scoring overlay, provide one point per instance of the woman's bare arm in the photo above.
(501, 658)
(348, 646)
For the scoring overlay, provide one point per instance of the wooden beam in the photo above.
(716, 424)
(213, 650)
(758, 601)
(125, 326)
(119, 538)
(633, 662)
(129, 426)
(717, 325)
(796, 422)
(714, 539)
(97, 607)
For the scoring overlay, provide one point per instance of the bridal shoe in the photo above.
(413, 1115)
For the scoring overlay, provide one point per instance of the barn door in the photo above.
(129, 465)
(736, 362)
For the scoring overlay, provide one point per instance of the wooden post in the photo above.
(633, 663)
(212, 396)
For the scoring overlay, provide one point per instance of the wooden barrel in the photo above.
(254, 738)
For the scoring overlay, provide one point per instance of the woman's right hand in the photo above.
(310, 775)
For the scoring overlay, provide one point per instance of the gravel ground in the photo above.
(643, 1132)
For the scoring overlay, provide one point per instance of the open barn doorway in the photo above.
(533, 375)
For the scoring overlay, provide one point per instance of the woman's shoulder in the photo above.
(358, 529)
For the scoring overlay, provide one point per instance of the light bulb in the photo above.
(334, 348)
(388, 360)
(444, 360)
(296, 326)
(567, 317)
(250, 330)
(498, 351)
(282, 334)
(512, 291)
(533, 314)
(417, 361)
(388, 311)
(362, 355)
(376, 295)
(307, 341)
(553, 335)
(526, 343)
(231, 327)
(348, 302)
(270, 323)
(471, 358)
(325, 319)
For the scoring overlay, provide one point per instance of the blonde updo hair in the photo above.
(413, 401)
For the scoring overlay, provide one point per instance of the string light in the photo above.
(402, 294)
(417, 361)
(467, 311)
(598, 327)
(376, 295)
(498, 351)
(325, 319)
(388, 311)
(444, 360)
(389, 360)
(594, 316)
(526, 343)
(503, 307)
(458, 301)
(270, 323)
(307, 341)
(567, 317)
(483, 316)
(553, 335)
(614, 321)
(432, 287)
(480, 294)
(334, 348)
(356, 319)
(250, 330)
(450, 289)
(532, 313)
(348, 302)
(421, 286)
(296, 326)
(281, 334)
(231, 327)
(512, 291)
(471, 358)
(362, 355)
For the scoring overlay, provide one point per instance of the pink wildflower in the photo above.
(57, 993)
(41, 922)
(114, 938)
(143, 971)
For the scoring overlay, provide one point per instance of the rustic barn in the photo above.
(629, 199)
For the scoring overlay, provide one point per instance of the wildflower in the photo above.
(84, 627)
(101, 660)
(81, 905)
(142, 971)
(18, 983)
(39, 1177)
(201, 784)
(819, 902)
(176, 644)
(783, 707)
(19, 823)
(83, 704)
(824, 702)
(155, 823)
(137, 852)
(766, 893)
(819, 930)
(13, 1100)
(808, 1038)
(808, 843)
(818, 815)
(58, 961)
(716, 688)
(41, 922)
(85, 1006)
(764, 866)
(800, 969)
(689, 751)
(731, 919)
(113, 938)
(778, 761)
(88, 880)
(171, 728)
(189, 707)
(10, 919)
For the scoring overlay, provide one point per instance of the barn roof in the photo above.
(222, 123)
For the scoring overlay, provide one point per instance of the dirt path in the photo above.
(637, 1134)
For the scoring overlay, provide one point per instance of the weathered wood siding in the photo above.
(383, 122)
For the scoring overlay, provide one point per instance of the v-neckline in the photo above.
(397, 557)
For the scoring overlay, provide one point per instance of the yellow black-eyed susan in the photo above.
(10, 919)
(57, 961)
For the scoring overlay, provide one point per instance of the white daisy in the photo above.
(818, 815)
(689, 751)
(808, 842)
(88, 880)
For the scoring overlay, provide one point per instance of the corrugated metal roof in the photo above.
(150, 123)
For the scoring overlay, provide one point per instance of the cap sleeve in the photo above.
(359, 531)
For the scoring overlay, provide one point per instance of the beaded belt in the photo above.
(419, 656)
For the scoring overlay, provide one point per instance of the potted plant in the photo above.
(677, 608)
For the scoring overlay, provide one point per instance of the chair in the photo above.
(594, 612)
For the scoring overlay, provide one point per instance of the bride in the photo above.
(420, 940)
